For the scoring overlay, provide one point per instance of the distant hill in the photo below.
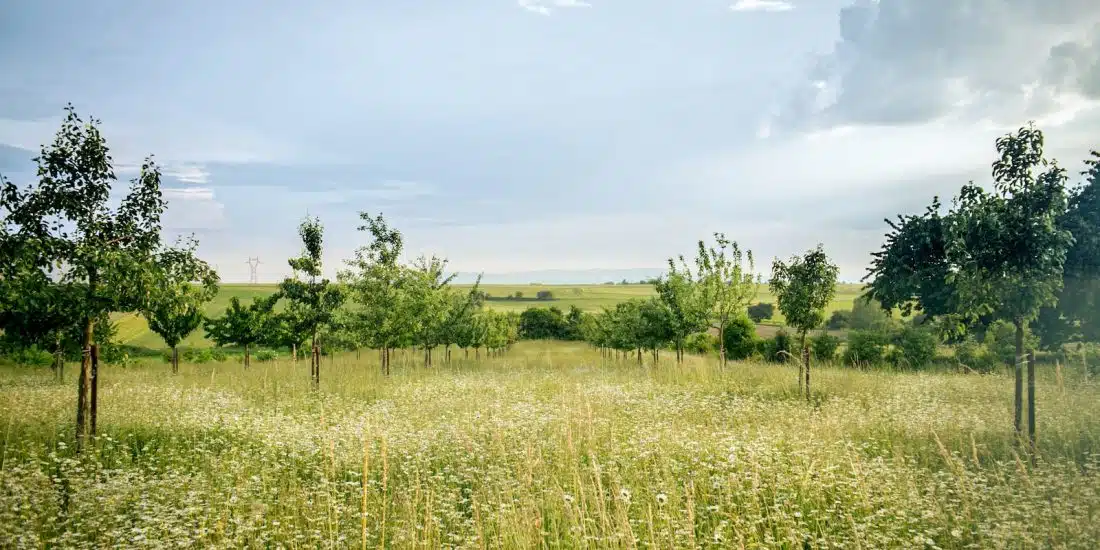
(565, 276)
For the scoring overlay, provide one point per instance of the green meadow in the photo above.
(548, 446)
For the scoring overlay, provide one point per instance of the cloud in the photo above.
(913, 61)
(192, 209)
(546, 7)
(187, 173)
(762, 5)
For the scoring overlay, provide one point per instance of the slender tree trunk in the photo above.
(1019, 402)
(804, 364)
(175, 360)
(477, 353)
(806, 361)
(356, 353)
(246, 356)
(466, 353)
(59, 359)
(82, 384)
(1031, 403)
(639, 356)
(294, 352)
(722, 344)
(95, 388)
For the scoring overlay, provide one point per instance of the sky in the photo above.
(515, 136)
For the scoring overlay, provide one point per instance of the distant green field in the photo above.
(133, 330)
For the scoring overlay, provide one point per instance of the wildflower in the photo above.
(568, 498)
(624, 494)
(713, 508)
(661, 499)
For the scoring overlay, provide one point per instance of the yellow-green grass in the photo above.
(546, 447)
(134, 331)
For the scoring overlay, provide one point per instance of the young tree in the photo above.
(284, 331)
(65, 227)
(429, 297)
(243, 326)
(380, 288)
(183, 285)
(311, 302)
(1008, 248)
(728, 283)
(682, 296)
(803, 287)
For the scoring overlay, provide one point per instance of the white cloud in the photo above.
(192, 209)
(187, 193)
(762, 5)
(187, 173)
(546, 7)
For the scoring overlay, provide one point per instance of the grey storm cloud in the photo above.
(910, 61)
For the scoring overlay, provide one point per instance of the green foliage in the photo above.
(912, 270)
(30, 356)
(824, 347)
(914, 347)
(240, 325)
(539, 323)
(869, 315)
(803, 287)
(780, 348)
(727, 282)
(311, 302)
(741, 341)
(1000, 340)
(380, 288)
(975, 356)
(761, 311)
(183, 285)
(544, 295)
(682, 296)
(839, 320)
(701, 343)
(865, 347)
(1006, 244)
(266, 355)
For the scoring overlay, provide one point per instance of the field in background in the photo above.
(135, 332)
(546, 447)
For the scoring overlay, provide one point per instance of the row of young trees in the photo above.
(716, 295)
(71, 255)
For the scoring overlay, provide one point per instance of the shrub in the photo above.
(544, 295)
(839, 320)
(701, 343)
(740, 336)
(265, 355)
(198, 356)
(219, 355)
(975, 356)
(31, 357)
(1000, 340)
(865, 347)
(761, 311)
(913, 347)
(868, 315)
(776, 349)
(539, 323)
(824, 347)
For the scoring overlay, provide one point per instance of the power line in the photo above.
(253, 263)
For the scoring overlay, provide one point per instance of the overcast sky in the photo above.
(555, 134)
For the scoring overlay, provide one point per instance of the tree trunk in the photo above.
(59, 359)
(466, 353)
(82, 385)
(175, 360)
(246, 356)
(804, 366)
(477, 353)
(722, 344)
(1031, 403)
(314, 360)
(95, 389)
(356, 353)
(806, 361)
(294, 352)
(639, 356)
(1019, 401)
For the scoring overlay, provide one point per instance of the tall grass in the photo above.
(546, 447)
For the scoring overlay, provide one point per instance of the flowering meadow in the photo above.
(548, 446)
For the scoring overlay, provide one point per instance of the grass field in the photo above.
(135, 332)
(547, 447)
